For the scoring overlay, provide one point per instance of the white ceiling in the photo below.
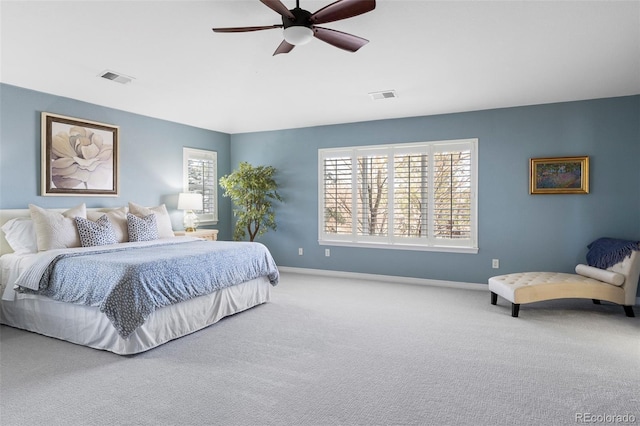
(440, 57)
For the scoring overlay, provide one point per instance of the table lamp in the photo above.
(190, 201)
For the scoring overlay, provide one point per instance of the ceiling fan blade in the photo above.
(342, 9)
(244, 29)
(339, 39)
(277, 6)
(283, 48)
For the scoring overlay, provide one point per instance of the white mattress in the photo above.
(86, 325)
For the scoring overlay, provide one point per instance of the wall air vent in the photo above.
(117, 77)
(387, 94)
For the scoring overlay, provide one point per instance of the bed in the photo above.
(239, 276)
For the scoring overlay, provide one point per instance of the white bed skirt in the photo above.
(87, 326)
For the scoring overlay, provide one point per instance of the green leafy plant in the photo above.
(252, 191)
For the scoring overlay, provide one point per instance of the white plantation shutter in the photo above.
(200, 175)
(418, 196)
(337, 195)
(372, 175)
(411, 195)
(452, 194)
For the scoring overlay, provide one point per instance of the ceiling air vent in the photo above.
(114, 76)
(387, 94)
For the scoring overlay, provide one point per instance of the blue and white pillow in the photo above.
(98, 233)
(142, 228)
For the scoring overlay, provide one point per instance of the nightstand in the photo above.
(207, 234)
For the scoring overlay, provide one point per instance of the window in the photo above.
(200, 174)
(418, 196)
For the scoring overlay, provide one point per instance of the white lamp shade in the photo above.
(298, 35)
(189, 201)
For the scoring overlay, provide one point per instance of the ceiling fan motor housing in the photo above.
(302, 19)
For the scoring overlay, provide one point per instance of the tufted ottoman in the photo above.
(528, 287)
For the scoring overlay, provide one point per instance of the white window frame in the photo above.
(194, 153)
(427, 243)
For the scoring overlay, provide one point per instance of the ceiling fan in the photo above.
(300, 25)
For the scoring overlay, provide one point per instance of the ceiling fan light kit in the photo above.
(299, 24)
(298, 35)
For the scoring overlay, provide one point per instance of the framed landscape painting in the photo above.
(79, 157)
(559, 175)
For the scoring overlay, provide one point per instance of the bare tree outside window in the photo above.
(452, 195)
(425, 195)
(411, 195)
(372, 195)
(338, 195)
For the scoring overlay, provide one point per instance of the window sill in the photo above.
(413, 247)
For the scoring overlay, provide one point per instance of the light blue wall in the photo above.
(526, 232)
(150, 154)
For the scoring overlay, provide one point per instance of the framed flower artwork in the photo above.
(79, 157)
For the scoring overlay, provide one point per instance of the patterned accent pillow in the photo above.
(98, 233)
(118, 219)
(142, 228)
(163, 220)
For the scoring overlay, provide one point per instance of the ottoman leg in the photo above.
(515, 308)
(629, 311)
(596, 301)
(494, 298)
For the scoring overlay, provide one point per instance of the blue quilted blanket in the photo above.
(129, 284)
(606, 252)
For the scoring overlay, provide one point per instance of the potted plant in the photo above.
(252, 191)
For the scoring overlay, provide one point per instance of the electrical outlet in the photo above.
(327, 252)
(300, 251)
(495, 263)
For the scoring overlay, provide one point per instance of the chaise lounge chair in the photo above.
(612, 275)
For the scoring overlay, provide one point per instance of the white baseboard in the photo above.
(391, 278)
(384, 278)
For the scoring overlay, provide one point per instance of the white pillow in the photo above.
(608, 277)
(20, 233)
(163, 220)
(57, 230)
(118, 219)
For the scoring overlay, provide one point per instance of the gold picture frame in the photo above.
(559, 175)
(79, 157)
